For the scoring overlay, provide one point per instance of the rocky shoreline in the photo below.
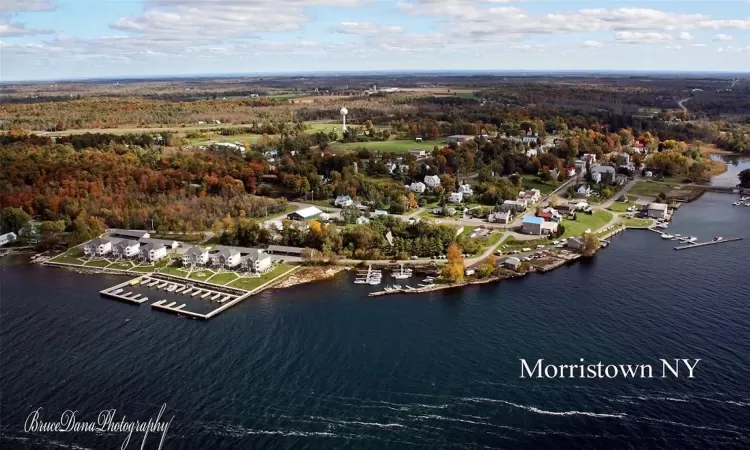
(308, 274)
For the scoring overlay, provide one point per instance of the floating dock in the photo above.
(703, 244)
(116, 293)
(218, 294)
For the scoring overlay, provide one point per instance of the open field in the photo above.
(621, 207)
(223, 278)
(395, 146)
(650, 188)
(585, 222)
(634, 222)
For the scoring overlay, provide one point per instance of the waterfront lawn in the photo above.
(70, 257)
(173, 270)
(515, 244)
(122, 265)
(650, 188)
(249, 283)
(394, 146)
(634, 222)
(584, 222)
(621, 207)
(223, 278)
(534, 182)
(143, 269)
(98, 263)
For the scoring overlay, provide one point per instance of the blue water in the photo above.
(324, 366)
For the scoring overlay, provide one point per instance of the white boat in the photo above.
(744, 199)
(373, 282)
(692, 239)
(737, 203)
(387, 289)
(666, 236)
(396, 286)
(747, 204)
(172, 288)
(678, 235)
(718, 238)
(662, 225)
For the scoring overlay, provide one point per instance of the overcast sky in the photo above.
(59, 39)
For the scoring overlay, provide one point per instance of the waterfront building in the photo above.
(510, 263)
(657, 210)
(256, 261)
(225, 257)
(128, 234)
(575, 242)
(537, 225)
(153, 251)
(8, 238)
(97, 247)
(195, 256)
(126, 248)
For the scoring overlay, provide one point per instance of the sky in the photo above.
(72, 39)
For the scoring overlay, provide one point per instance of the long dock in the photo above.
(119, 292)
(703, 244)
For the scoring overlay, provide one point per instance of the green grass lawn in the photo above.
(515, 244)
(252, 283)
(621, 206)
(173, 270)
(201, 275)
(69, 257)
(121, 265)
(223, 278)
(649, 188)
(634, 222)
(584, 222)
(533, 182)
(98, 263)
(395, 146)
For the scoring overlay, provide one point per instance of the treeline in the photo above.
(130, 188)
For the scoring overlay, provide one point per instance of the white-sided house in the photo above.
(596, 177)
(500, 217)
(343, 201)
(97, 247)
(531, 196)
(584, 190)
(432, 181)
(514, 205)
(530, 138)
(226, 257)
(362, 220)
(8, 238)
(126, 248)
(465, 189)
(456, 197)
(417, 187)
(153, 252)
(195, 256)
(256, 261)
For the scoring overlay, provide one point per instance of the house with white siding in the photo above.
(97, 247)
(225, 257)
(195, 256)
(417, 187)
(432, 181)
(152, 252)
(126, 248)
(256, 261)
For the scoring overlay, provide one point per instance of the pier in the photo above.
(703, 244)
(120, 292)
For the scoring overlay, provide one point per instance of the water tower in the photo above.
(343, 112)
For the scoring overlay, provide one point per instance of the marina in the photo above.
(369, 276)
(703, 244)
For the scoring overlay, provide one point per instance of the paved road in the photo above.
(620, 193)
(681, 104)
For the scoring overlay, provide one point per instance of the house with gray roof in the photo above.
(256, 261)
(126, 248)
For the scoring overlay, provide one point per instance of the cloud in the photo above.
(731, 49)
(15, 6)
(219, 20)
(637, 37)
(533, 48)
(364, 28)
(19, 29)
(685, 36)
(592, 44)
(723, 37)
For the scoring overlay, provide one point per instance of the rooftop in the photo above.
(532, 219)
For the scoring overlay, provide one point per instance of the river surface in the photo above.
(735, 165)
(322, 366)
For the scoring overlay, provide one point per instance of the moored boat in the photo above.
(666, 236)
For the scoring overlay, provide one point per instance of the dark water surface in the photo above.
(323, 366)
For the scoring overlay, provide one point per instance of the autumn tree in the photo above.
(454, 270)
(411, 201)
(13, 219)
(590, 244)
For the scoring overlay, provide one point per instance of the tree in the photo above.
(554, 200)
(454, 270)
(411, 201)
(13, 219)
(744, 177)
(590, 244)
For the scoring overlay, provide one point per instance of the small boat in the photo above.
(666, 236)
(387, 289)
(718, 238)
(737, 203)
(172, 288)
(396, 286)
(360, 281)
(747, 204)
(744, 199)
(662, 225)
(678, 235)
(373, 282)
(692, 239)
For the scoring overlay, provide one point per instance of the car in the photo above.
(539, 247)
(513, 252)
(526, 249)
(415, 257)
